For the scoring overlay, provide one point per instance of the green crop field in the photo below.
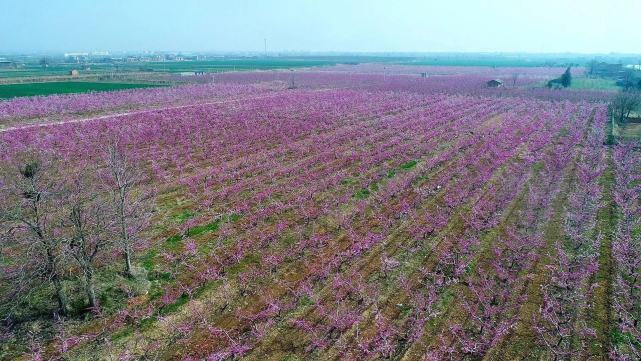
(31, 89)
(594, 83)
(235, 64)
(629, 131)
(496, 61)
(33, 69)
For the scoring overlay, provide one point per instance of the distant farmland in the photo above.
(34, 69)
(32, 89)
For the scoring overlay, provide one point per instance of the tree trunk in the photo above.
(124, 233)
(128, 268)
(89, 288)
(63, 304)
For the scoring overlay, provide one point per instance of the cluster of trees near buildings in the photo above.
(61, 222)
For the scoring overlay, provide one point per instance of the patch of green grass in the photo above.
(391, 173)
(636, 232)
(288, 239)
(183, 216)
(39, 302)
(174, 241)
(209, 227)
(155, 291)
(147, 323)
(235, 217)
(33, 89)
(112, 299)
(629, 131)
(593, 83)
(538, 166)
(125, 332)
(206, 287)
(305, 301)
(206, 248)
(349, 181)
(148, 262)
(171, 308)
(362, 193)
(409, 165)
(250, 259)
(405, 310)
(160, 276)
(623, 338)
(606, 224)
(374, 187)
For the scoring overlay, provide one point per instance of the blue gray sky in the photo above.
(583, 26)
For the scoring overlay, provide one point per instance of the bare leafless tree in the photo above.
(628, 80)
(592, 66)
(515, 78)
(31, 224)
(87, 239)
(292, 80)
(131, 208)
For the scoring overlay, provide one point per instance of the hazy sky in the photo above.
(322, 25)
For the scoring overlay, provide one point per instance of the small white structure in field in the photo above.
(494, 83)
(192, 73)
(74, 72)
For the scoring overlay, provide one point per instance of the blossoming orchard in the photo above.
(347, 213)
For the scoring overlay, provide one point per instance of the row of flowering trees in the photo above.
(564, 325)
(172, 145)
(251, 85)
(338, 311)
(347, 223)
(61, 106)
(626, 250)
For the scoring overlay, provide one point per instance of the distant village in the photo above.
(628, 75)
(98, 58)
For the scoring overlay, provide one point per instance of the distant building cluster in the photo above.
(4, 63)
(627, 76)
(606, 69)
(105, 57)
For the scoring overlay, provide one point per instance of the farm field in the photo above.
(33, 89)
(222, 64)
(236, 85)
(359, 214)
(593, 83)
(629, 131)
